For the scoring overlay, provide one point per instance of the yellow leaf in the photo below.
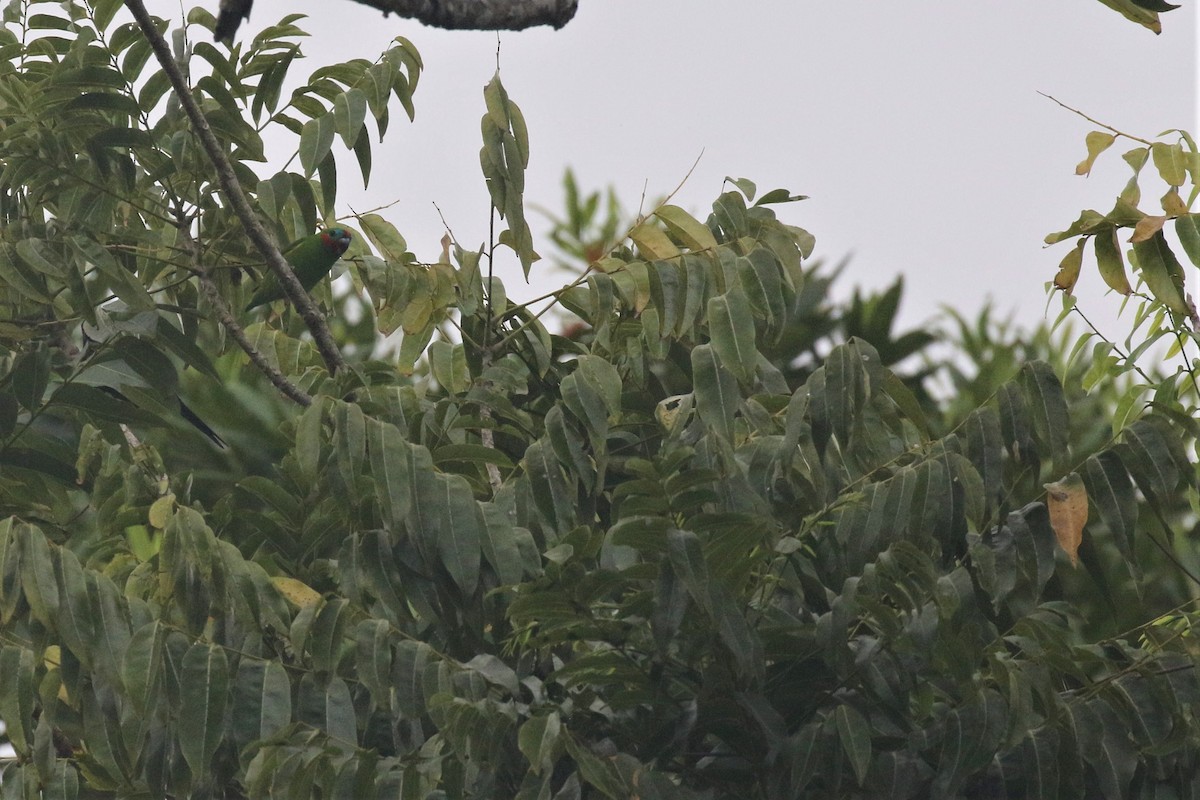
(693, 233)
(1068, 269)
(1173, 204)
(161, 511)
(298, 593)
(1068, 504)
(653, 242)
(1146, 228)
(1097, 143)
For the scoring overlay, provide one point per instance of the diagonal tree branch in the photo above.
(237, 198)
(273, 373)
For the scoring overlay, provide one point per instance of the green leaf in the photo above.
(373, 658)
(1187, 228)
(390, 470)
(499, 540)
(1089, 222)
(716, 390)
(1110, 261)
(141, 669)
(1170, 161)
(122, 138)
(744, 185)
(1161, 272)
(1133, 10)
(350, 440)
(458, 531)
(39, 256)
(205, 694)
(386, 239)
(448, 361)
(593, 394)
(17, 276)
(732, 328)
(779, 196)
(362, 154)
(600, 773)
(349, 114)
(77, 617)
(1048, 404)
(124, 283)
(855, 735)
(325, 638)
(1110, 490)
(30, 376)
(17, 697)
(102, 732)
(185, 348)
(538, 740)
(37, 574)
(316, 139)
(328, 708)
(972, 734)
(412, 661)
(105, 101)
(1147, 452)
(262, 701)
(149, 363)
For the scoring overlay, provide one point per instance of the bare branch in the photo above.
(237, 198)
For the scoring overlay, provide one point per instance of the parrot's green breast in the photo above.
(311, 259)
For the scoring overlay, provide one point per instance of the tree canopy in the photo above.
(699, 532)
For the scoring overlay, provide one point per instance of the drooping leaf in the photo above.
(1068, 503)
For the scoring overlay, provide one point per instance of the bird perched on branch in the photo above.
(311, 258)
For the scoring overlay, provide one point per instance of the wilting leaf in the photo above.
(298, 593)
(1068, 504)
(1146, 228)
(1068, 268)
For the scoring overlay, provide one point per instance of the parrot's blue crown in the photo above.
(336, 239)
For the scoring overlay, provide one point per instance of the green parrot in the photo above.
(311, 258)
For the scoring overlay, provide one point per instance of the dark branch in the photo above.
(481, 15)
(476, 15)
(232, 190)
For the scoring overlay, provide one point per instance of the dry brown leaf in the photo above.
(1068, 504)
(1146, 228)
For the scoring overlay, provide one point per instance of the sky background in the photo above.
(916, 128)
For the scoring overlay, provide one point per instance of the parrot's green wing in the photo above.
(311, 259)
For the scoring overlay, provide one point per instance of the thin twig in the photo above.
(557, 294)
(1096, 121)
(232, 190)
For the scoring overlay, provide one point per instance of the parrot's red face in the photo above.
(335, 240)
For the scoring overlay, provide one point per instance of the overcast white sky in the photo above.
(916, 127)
